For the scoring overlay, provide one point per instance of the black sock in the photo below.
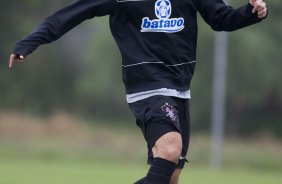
(160, 171)
(141, 181)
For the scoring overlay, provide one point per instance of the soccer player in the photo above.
(157, 40)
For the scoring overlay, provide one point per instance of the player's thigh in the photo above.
(168, 146)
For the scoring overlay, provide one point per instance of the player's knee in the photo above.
(172, 152)
(169, 147)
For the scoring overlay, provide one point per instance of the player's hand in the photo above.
(15, 58)
(259, 8)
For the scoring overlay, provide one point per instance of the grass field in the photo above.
(62, 172)
(61, 151)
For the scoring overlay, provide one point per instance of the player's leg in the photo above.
(166, 151)
(175, 176)
(141, 181)
(184, 119)
(168, 147)
(164, 141)
(158, 119)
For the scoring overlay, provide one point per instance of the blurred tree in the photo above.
(254, 87)
(81, 73)
(43, 83)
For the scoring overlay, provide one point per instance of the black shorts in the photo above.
(159, 115)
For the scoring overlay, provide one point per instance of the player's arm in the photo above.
(56, 25)
(225, 18)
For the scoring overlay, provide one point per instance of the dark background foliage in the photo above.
(81, 72)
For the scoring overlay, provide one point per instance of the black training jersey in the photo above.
(157, 38)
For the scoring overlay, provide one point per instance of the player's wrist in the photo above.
(21, 51)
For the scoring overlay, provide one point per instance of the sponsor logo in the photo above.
(164, 23)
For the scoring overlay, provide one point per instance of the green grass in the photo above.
(63, 150)
(33, 171)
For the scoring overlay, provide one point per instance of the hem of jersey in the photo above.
(134, 97)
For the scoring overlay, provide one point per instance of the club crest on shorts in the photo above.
(170, 112)
(164, 23)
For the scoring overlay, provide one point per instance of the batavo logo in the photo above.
(163, 23)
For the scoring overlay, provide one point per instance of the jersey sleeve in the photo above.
(225, 18)
(56, 25)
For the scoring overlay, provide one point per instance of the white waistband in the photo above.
(162, 91)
